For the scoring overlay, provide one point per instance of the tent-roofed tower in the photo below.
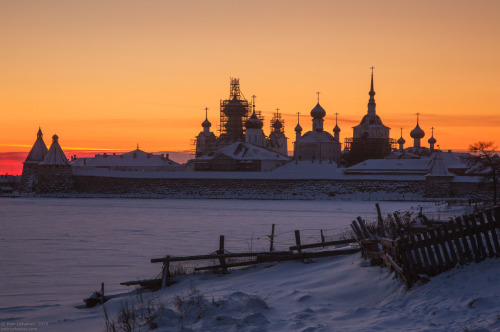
(233, 114)
(54, 172)
(36, 155)
(371, 137)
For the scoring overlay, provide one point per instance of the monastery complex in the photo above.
(241, 150)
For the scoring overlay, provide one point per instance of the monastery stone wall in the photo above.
(244, 188)
(28, 178)
(54, 179)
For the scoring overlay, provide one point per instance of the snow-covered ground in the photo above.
(55, 252)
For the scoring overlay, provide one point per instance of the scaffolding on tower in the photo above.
(233, 114)
(277, 116)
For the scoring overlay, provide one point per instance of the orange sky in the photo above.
(111, 74)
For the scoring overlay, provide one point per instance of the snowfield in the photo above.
(55, 252)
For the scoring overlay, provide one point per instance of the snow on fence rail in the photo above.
(418, 253)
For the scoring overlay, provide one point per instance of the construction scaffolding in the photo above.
(277, 116)
(233, 114)
(361, 149)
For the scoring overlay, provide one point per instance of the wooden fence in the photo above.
(434, 248)
(221, 261)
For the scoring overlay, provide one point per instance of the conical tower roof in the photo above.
(39, 150)
(56, 155)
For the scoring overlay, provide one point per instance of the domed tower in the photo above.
(36, 155)
(417, 134)
(254, 133)
(54, 172)
(233, 114)
(298, 129)
(336, 129)
(401, 141)
(318, 113)
(277, 139)
(206, 140)
(432, 140)
(317, 145)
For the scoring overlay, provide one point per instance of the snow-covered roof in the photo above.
(135, 158)
(39, 150)
(451, 159)
(391, 166)
(245, 151)
(438, 166)
(317, 136)
(55, 155)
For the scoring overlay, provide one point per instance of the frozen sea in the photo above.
(54, 252)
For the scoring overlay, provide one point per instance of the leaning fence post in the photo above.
(102, 292)
(381, 228)
(165, 272)
(272, 239)
(322, 237)
(220, 252)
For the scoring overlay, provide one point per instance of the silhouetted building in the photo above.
(36, 155)
(317, 144)
(54, 173)
(206, 141)
(370, 138)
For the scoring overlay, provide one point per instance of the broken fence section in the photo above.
(418, 253)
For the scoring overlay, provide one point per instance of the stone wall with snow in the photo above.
(245, 188)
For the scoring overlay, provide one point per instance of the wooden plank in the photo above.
(486, 234)
(494, 235)
(447, 248)
(365, 230)
(165, 273)
(401, 229)
(357, 230)
(463, 236)
(479, 238)
(471, 235)
(405, 256)
(431, 253)
(455, 236)
(381, 227)
(297, 241)
(271, 245)
(497, 215)
(216, 256)
(297, 256)
(222, 259)
(435, 241)
(421, 244)
(323, 244)
(413, 244)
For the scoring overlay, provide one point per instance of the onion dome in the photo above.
(336, 129)
(254, 122)
(298, 128)
(206, 124)
(417, 132)
(277, 124)
(432, 140)
(318, 112)
(401, 140)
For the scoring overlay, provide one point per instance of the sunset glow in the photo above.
(108, 75)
